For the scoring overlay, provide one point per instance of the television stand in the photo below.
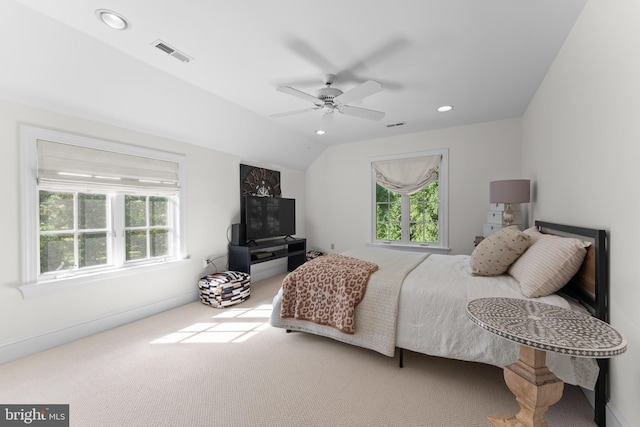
(242, 257)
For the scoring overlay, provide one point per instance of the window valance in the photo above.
(407, 175)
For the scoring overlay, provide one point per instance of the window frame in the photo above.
(33, 283)
(443, 206)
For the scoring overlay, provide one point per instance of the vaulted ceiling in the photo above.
(486, 58)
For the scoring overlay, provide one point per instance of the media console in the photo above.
(242, 257)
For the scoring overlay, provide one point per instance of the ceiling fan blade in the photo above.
(291, 113)
(380, 54)
(311, 54)
(363, 113)
(349, 73)
(357, 93)
(299, 94)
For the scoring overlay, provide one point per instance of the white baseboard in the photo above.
(35, 344)
(613, 416)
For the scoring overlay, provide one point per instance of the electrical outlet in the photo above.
(333, 246)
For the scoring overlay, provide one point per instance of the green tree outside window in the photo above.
(423, 211)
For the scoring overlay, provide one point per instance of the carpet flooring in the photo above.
(200, 366)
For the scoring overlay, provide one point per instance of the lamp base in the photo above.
(507, 215)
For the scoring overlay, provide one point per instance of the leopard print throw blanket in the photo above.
(326, 291)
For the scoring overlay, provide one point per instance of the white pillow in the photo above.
(534, 234)
(548, 264)
(494, 254)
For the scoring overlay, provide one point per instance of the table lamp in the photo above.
(509, 191)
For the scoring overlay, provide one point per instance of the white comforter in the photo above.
(432, 318)
(431, 315)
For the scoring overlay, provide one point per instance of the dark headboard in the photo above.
(590, 286)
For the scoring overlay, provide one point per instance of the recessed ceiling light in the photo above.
(113, 19)
(445, 108)
(320, 132)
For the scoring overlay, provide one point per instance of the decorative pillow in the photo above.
(548, 264)
(534, 234)
(494, 255)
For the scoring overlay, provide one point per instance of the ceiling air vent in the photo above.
(159, 44)
(396, 124)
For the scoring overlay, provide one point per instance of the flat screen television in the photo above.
(269, 217)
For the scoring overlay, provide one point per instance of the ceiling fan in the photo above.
(329, 99)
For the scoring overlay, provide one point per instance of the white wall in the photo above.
(213, 199)
(581, 145)
(338, 181)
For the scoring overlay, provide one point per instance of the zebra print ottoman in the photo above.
(221, 290)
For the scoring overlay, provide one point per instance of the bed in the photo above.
(416, 301)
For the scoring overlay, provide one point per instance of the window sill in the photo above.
(414, 247)
(30, 290)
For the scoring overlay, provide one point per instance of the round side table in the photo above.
(538, 328)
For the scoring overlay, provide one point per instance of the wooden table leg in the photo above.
(535, 387)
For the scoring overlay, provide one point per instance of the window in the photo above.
(409, 206)
(73, 231)
(94, 206)
(147, 227)
(423, 213)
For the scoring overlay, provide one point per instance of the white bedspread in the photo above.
(431, 313)
(432, 318)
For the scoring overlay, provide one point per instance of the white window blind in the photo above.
(73, 164)
(407, 175)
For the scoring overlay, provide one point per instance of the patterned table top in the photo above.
(547, 327)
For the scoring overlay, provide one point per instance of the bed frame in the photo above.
(590, 286)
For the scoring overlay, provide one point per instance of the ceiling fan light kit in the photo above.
(329, 99)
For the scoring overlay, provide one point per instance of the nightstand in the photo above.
(494, 218)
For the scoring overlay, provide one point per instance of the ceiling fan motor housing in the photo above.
(327, 94)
